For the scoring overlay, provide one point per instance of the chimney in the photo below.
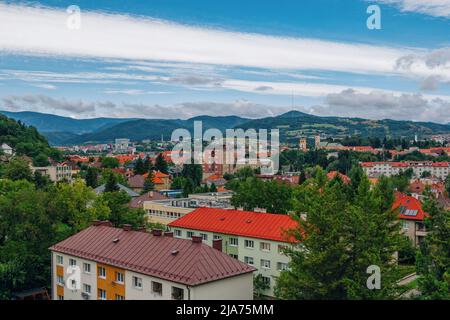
(126, 227)
(168, 234)
(157, 232)
(197, 239)
(96, 222)
(217, 244)
(102, 223)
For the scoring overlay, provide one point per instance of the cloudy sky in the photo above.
(253, 58)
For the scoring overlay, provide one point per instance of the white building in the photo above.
(7, 149)
(106, 263)
(437, 169)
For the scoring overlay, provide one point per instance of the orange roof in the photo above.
(159, 174)
(242, 223)
(332, 174)
(410, 207)
(157, 180)
(124, 158)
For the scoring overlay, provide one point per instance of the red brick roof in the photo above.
(141, 252)
(409, 207)
(332, 174)
(242, 223)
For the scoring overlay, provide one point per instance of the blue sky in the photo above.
(177, 59)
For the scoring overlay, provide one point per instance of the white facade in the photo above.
(7, 149)
(238, 287)
(375, 169)
(265, 255)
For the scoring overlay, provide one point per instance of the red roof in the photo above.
(410, 207)
(332, 174)
(141, 252)
(242, 223)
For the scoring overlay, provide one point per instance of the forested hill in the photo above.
(25, 140)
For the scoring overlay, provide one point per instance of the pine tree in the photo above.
(111, 183)
(161, 164)
(433, 259)
(213, 188)
(91, 177)
(341, 233)
(148, 183)
(139, 167)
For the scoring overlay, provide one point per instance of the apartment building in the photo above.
(437, 169)
(56, 173)
(168, 210)
(411, 216)
(106, 263)
(257, 239)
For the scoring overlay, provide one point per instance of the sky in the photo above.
(252, 58)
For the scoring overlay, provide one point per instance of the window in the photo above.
(405, 225)
(177, 293)
(249, 260)
(119, 297)
(265, 264)
(137, 282)
(249, 244)
(60, 297)
(178, 233)
(266, 280)
(60, 280)
(204, 236)
(190, 234)
(234, 256)
(119, 277)
(157, 287)
(59, 259)
(217, 237)
(102, 272)
(234, 242)
(72, 262)
(264, 246)
(87, 267)
(281, 266)
(101, 294)
(86, 288)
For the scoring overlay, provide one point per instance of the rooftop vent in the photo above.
(116, 240)
(248, 221)
(222, 218)
(157, 232)
(126, 227)
(174, 252)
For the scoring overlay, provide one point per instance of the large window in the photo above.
(119, 297)
(249, 260)
(190, 234)
(281, 266)
(60, 280)
(177, 293)
(204, 236)
(157, 288)
(59, 260)
(87, 267)
(178, 233)
(86, 288)
(101, 294)
(249, 244)
(264, 246)
(137, 282)
(234, 242)
(265, 264)
(119, 277)
(72, 262)
(101, 272)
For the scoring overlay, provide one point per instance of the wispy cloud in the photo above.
(436, 8)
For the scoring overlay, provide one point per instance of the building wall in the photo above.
(163, 213)
(241, 251)
(234, 288)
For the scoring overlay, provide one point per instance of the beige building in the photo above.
(60, 172)
(105, 263)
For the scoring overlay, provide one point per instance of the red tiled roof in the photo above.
(138, 202)
(243, 223)
(136, 181)
(193, 264)
(332, 174)
(410, 207)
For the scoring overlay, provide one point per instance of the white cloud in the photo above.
(436, 8)
(43, 31)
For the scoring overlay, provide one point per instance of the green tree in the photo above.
(338, 238)
(433, 259)
(193, 172)
(213, 188)
(92, 177)
(119, 211)
(161, 164)
(139, 167)
(259, 287)
(447, 184)
(110, 162)
(41, 160)
(148, 183)
(111, 184)
(17, 169)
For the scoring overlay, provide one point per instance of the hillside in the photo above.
(52, 123)
(25, 140)
(294, 124)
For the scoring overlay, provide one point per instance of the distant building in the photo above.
(121, 145)
(258, 239)
(128, 191)
(302, 146)
(138, 202)
(438, 169)
(59, 172)
(121, 264)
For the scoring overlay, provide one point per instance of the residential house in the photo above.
(6, 149)
(138, 202)
(128, 191)
(121, 264)
(258, 239)
(411, 216)
(56, 173)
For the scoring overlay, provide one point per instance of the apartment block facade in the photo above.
(255, 238)
(105, 263)
(438, 169)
